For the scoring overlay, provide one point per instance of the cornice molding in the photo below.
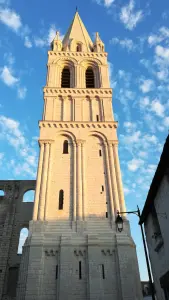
(65, 125)
(45, 141)
(75, 54)
(51, 92)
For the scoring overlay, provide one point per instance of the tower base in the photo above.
(94, 262)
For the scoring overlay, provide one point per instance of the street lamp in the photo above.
(119, 224)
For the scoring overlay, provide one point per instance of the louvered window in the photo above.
(90, 78)
(65, 78)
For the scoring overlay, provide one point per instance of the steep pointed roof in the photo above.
(77, 31)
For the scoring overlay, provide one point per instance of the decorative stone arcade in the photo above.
(73, 250)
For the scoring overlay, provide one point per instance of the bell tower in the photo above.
(73, 250)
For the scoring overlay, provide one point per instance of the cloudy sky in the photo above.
(136, 35)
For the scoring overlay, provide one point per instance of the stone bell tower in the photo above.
(73, 250)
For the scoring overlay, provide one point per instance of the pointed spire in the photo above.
(77, 33)
(98, 44)
(56, 43)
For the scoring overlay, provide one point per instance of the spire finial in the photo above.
(76, 8)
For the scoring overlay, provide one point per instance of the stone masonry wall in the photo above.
(14, 215)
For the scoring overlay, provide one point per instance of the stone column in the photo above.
(48, 179)
(79, 180)
(54, 108)
(83, 180)
(38, 181)
(42, 195)
(58, 76)
(118, 177)
(91, 109)
(113, 178)
(111, 203)
(74, 181)
(64, 108)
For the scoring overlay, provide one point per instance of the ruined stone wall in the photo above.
(14, 215)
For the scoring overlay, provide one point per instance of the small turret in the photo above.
(98, 44)
(56, 43)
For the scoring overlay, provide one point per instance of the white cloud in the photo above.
(132, 138)
(126, 190)
(9, 58)
(112, 82)
(7, 77)
(129, 17)
(146, 85)
(108, 2)
(51, 34)
(125, 43)
(155, 39)
(166, 121)
(144, 102)
(10, 131)
(46, 39)
(10, 18)
(22, 92)
(27, 42)
(143, 154)
(162, 74)
(162, 52)
(135, 164)
(39, 42)
(157, 107)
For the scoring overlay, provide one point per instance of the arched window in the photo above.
(29, 196)
(65, 147)
(90, 78)
(65, 83)
(61, 197)
(22, 238)
(78, 48)
(2, 194)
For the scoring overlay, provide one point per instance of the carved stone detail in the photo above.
(50, 91)
(108, 252)
(78, 252)
(71, 54)
(61, 124)
(51, 252)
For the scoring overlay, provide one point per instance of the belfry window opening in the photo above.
(65, 80)
(90, 84)
(65, 147)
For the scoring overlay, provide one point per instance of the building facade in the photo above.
(73, 249)
(155, 217)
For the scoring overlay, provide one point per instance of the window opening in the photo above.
(106, 214)
(100, 152)
(97, 118)
(61, 197)
(65, 78)
(65, 147)
(29, 196)
(80, 270)
(103, 273)
(78, 48)
(90, 78)
(102, 188)
(56, 275)
(22, 239)
(2, 194)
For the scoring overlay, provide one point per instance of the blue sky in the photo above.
(136, 36)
